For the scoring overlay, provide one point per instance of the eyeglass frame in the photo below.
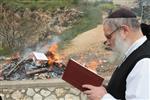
(109, 36)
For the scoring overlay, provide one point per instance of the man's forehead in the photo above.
(107, 29)
(120, 21)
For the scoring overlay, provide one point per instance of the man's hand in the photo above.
(94, 93)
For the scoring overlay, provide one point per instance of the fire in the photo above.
(53, 48)
(94, 64)
(52, 54)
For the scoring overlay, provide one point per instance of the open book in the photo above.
(77, 75)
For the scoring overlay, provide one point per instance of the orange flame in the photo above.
(94, 64)
(52, 54)
(53, 48)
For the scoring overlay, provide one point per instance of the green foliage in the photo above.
(4, 51)
(36, 4)
(106, 6)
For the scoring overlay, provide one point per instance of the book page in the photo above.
(40, 56)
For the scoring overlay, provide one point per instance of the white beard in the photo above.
(119, 50)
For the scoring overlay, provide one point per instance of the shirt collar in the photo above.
(135, 45)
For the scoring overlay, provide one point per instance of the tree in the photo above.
(21, 29)
(8, 31)
(144, 9)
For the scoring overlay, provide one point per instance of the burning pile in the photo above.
(34, 66)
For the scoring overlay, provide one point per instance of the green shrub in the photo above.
(36, 4)
(4, 52)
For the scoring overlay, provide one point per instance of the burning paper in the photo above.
(40, 56)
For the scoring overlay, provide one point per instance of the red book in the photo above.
(77, 75)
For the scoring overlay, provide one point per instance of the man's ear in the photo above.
(125, 31)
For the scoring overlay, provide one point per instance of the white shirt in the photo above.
(138, 81)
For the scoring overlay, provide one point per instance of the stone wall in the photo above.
(53, 89)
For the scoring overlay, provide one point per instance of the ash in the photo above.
(17, 69)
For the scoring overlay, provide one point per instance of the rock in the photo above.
(27, 98)
(71, 97)
(74, 91)
(2, 95)
(5, 90)
(17, 95)
(7, 95)
(60, 92)
(10, 90)
(83, 96)
(51, 89)
(61, 99)
(37, 97)
(67, 88)
(45, 92)
(23, 91)
(51, 97)
(37, 89)
(30, 92)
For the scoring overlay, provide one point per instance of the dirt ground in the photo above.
(88, 49)
(85, 40)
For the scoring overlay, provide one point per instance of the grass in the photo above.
(92, 17)
(19, 5)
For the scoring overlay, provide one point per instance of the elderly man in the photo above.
(131, 79)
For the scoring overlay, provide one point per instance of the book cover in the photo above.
(77, 75)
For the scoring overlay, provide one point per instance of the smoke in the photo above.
(41, 46)
(45, 46)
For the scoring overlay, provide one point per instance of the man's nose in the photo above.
(108, 45)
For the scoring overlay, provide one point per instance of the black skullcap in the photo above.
(122, 13)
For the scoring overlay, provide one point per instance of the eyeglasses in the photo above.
(109, 36)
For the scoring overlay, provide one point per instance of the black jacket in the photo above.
(117, 84)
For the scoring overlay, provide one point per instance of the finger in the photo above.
(88, 86)
(88, 92)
